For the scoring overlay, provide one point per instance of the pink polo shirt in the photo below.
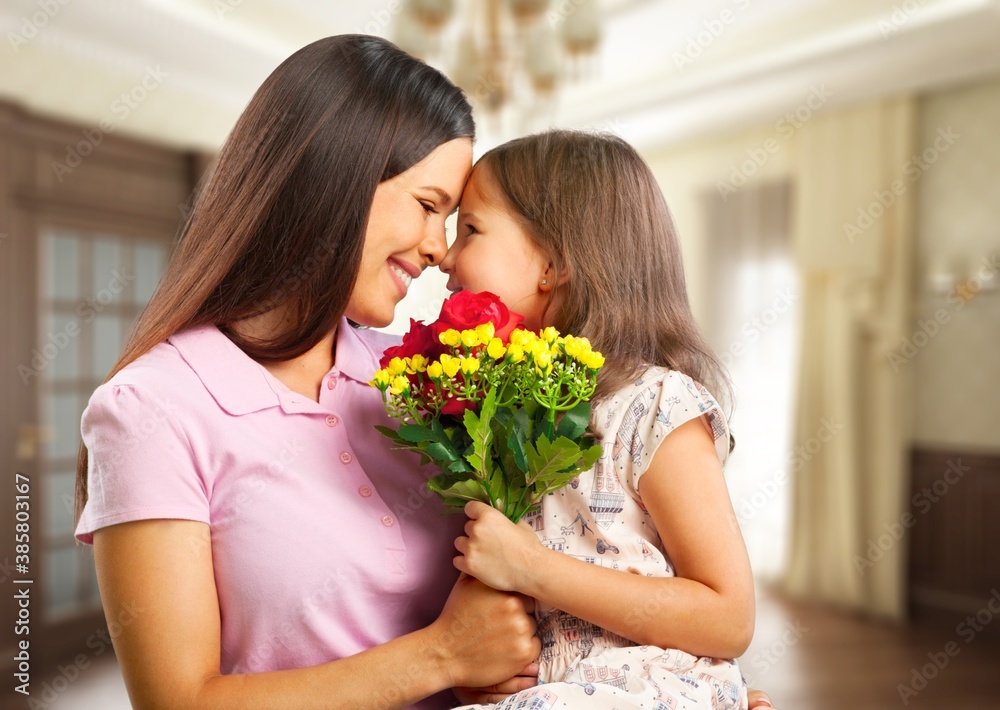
(325, 541)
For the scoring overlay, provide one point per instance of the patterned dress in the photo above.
(599, 518)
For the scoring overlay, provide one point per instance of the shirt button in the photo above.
(365, 491)
(387, 521)
(332, 382)
(346, 457)
(332, 420)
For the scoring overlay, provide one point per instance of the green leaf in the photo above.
(482, 435)
(546, 457)
(574, 422)
(441, 452)
(517, 439)
(460, 490)
(416, 433)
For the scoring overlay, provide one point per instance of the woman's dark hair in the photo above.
(281, 219)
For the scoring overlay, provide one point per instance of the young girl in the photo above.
(642, 583)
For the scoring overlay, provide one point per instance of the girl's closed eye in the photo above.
(428, 207)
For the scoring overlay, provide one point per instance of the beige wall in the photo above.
(957, 372)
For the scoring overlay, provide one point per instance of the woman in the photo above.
(242, 508)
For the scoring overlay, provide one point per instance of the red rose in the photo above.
(419, 340)
(465, 310)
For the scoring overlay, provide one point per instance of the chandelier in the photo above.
(503, 52)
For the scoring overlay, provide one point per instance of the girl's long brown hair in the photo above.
(281, 219)
(592, 205)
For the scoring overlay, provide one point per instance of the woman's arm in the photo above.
(170, 652)
(706, 610)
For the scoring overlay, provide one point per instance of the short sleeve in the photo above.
(140, 464)
(664, 400)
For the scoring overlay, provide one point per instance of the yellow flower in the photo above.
(418, 363)
(495, 349)
(515, 352)
(381, 380)
(470, 338)
(593, 359)
(434, 370)
(486, 331)
(450, 365)
(397, 366)
(572, 347)
(550, 334)
(520, 337)
(470, 365)
(542, 360)
(450, 337)
(399, 385)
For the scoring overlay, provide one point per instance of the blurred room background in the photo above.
(834, 172)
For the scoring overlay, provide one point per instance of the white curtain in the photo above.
(853, 249)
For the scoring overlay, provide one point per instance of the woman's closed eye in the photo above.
(428, 207)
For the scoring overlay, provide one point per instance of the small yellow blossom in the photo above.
(470, 365)
(495, 349)
(593, 359)
(542, 360)
(381, 380)
(470, 338)
(550, 334)
(450, 364)
(417, 363)
(434, 370)
(486, 331)
(397, 366)
(450, 337)
(399, 385)
(515, 352)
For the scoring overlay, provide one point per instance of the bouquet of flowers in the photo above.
(501, 410)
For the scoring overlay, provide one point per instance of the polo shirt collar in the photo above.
(240, 385)
(237, 382)
(355, 357)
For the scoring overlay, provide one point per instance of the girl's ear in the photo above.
(549, 278)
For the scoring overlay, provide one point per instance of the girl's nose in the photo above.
(434, 247)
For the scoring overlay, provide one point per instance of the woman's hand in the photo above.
(496, 551)
(485, 636)
(528, 678)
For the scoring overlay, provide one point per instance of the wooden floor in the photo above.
(811, 658)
